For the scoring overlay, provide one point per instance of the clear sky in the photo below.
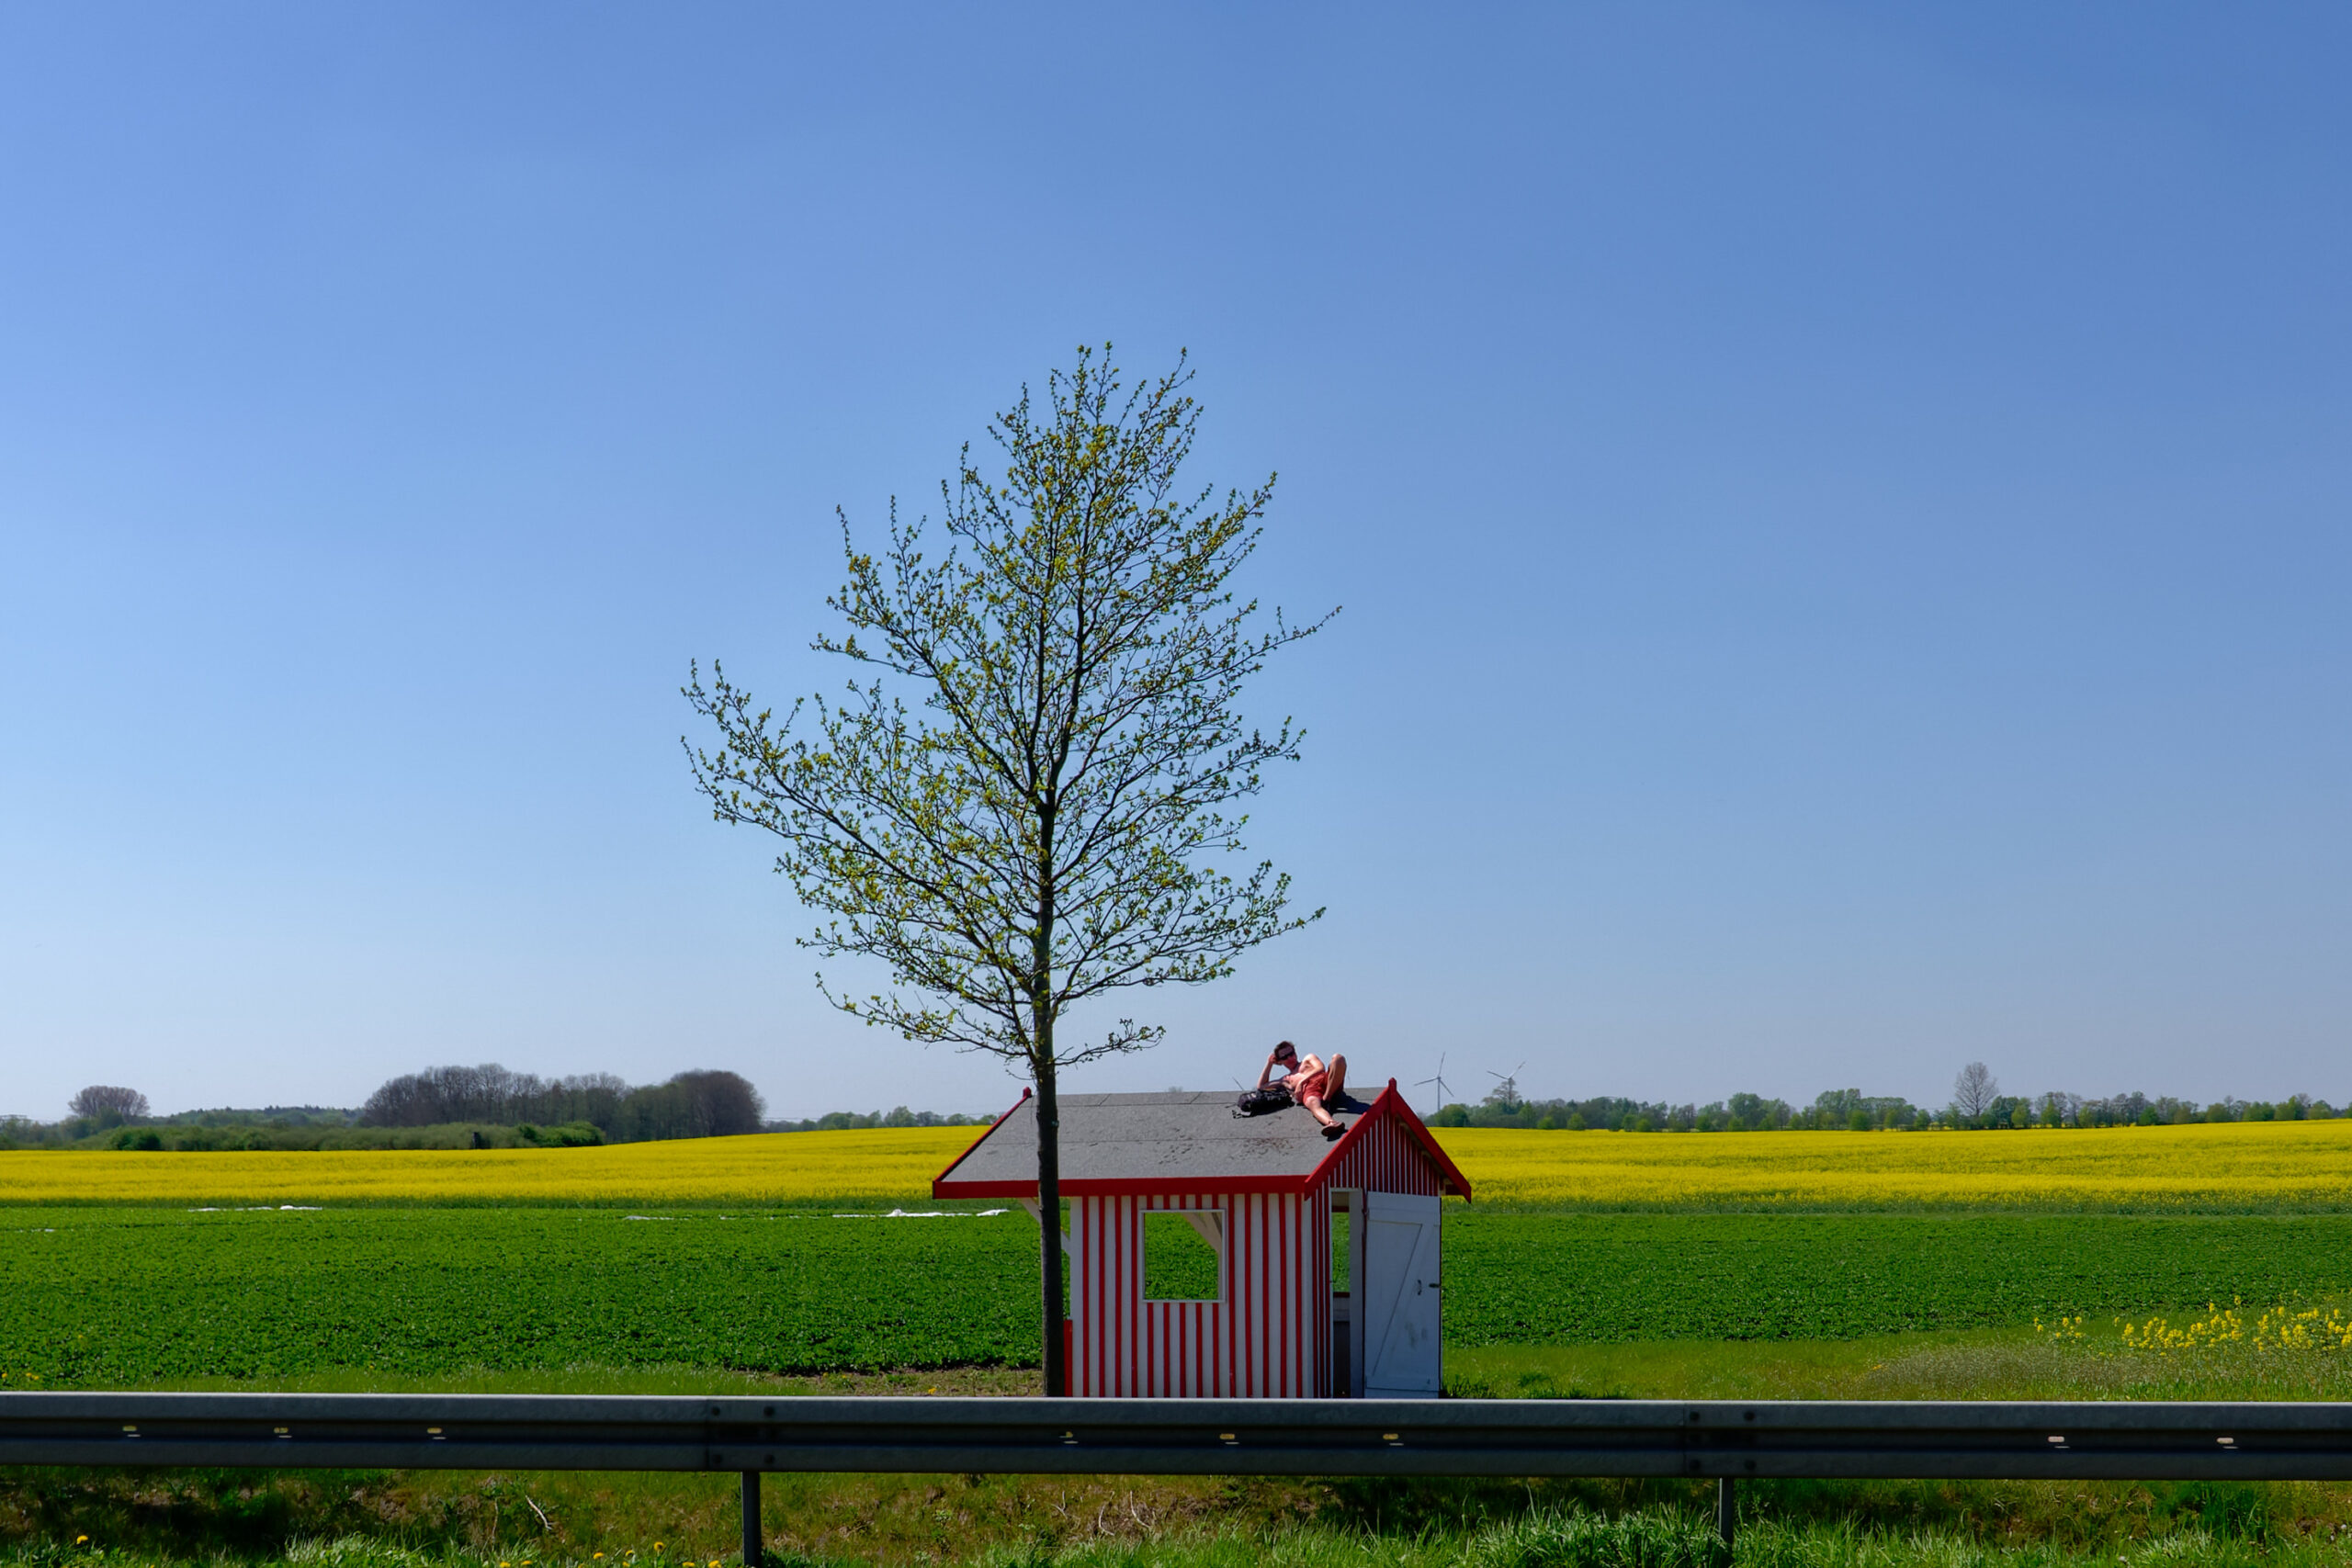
(1841, 512)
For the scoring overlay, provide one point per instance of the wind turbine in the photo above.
(1443, 1088)
(1507, 1082)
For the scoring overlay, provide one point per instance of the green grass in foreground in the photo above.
(381, 1519)
(1952, 1364)
(554, 1520)
(364, 1520)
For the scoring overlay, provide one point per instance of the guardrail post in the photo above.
(751, 1518)
(1727, 1509)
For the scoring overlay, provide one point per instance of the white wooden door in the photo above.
(1398, 1314)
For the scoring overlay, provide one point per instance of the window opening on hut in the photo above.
(1183, 1255)
(1342, 1205)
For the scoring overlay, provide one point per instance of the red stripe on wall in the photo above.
(1268, 1335)
(1287, 1250)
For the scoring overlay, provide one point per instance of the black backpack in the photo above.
(1258, 1101)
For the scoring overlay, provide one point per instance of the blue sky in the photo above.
(1841, 512)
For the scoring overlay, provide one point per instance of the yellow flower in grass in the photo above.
(2277, 1329)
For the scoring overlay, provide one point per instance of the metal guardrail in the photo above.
(1722, 1440)
(1502, 1436)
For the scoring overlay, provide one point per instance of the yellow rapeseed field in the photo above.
(2242, 1165)
(775, 1168)
(2218, 1165)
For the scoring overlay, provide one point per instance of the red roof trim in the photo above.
(1388, 1102)
(1450, 1177)
(976, 1143)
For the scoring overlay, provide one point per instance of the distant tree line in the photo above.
(1977, 1103)
(1840, 1109)
(455, 1107)
(488, 1106)
(844, 1121)
(702, 1103)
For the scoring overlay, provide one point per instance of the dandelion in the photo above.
(81, 1540)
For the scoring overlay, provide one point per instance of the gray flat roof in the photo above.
(1163, 1139)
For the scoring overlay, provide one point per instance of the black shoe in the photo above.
(1333, 1129)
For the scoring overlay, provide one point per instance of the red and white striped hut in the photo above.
(1201, 1245)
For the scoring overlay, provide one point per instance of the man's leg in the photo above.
(1337, 1089)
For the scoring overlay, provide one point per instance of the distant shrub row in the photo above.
(1847, 1110)
(448, 1135)
(849, 1121)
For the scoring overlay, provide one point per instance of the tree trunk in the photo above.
(1049, 1216)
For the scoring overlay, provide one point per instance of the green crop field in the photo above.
(119, 1296)
(94, 1296)
(1586, 1279)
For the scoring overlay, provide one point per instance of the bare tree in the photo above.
(99, 1099)
(1045, 826)
(1974, 1091)
(700, 1104)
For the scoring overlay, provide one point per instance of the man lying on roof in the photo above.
(1308, 1082)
